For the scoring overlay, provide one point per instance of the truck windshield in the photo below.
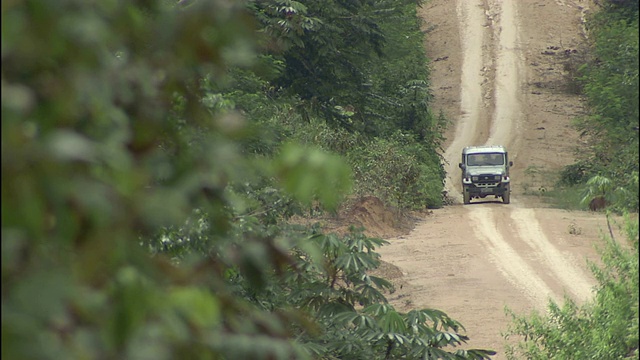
(486, 159)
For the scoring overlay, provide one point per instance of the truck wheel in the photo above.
(506, 196)
(466, 197)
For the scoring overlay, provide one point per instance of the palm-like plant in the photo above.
(602, 188)
(357, 321)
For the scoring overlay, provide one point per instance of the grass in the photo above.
(541, 184)
(567, 198)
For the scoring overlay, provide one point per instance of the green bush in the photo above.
(397, 171)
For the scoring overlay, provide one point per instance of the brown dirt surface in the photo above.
(500, 72)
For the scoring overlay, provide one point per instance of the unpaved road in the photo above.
(500, 76)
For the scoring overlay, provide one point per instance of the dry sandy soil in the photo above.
(499, 71)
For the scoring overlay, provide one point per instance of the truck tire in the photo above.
(466, 197)
(506, 197)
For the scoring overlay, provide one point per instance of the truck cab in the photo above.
(485, 171)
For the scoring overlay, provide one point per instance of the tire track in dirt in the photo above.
(506, 258)
(470, 92)
(507, 76)
(506, 113)
(504, 124)
(563, 267)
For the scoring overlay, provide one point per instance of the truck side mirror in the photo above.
(510, 163)
(461, 165)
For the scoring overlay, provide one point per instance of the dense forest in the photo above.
(153, 153)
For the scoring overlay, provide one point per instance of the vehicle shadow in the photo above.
(486, 201)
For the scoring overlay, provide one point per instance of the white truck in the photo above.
(485, 171)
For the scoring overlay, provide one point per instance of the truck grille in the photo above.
(486, 180)
(490, 178)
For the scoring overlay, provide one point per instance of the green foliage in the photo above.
(362, 56)
(108, 140)
(324, 47)
(574, 174)
(628, 8)
(180, 241)
(369, 80)
(150, 163)
(305, 173)
(604, 328)
(351, 308)
(566, 197)
(617, 199)
(419, 334)
(398, 170)
(611, 86)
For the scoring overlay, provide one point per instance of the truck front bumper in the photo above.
(498, 189)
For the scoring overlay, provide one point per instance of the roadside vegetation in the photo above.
(609, 82)
(604, 178)
(153, 153)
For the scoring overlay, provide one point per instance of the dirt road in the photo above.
(500, 73)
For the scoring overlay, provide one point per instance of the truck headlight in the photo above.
(497, 177)
(474, 178)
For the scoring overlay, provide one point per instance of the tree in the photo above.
(125, 229)
(105, 140)
(610, 82)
